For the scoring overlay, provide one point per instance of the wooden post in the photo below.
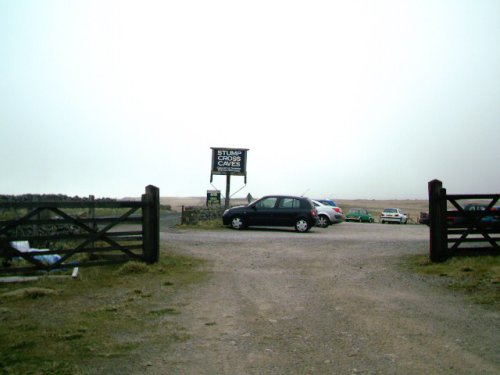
(93, 224)
(151, 224)
(35, 227)
(228, 190)
(438, 246)
(92, 211)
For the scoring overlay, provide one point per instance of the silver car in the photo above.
(327, 214)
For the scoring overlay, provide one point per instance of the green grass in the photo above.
(98, 323)
(205, 225)
(476, 276)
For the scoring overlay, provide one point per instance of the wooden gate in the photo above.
(133, 234)
(458, 223)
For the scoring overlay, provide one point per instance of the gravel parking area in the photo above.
(331, 301)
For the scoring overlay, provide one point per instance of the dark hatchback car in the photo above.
(275, 211)
(474, 215)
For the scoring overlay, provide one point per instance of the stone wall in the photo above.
(192, 215)
(49, 198)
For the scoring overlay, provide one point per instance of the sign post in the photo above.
(229, 162)
(228, 190)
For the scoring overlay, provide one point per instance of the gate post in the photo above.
(151, 224)
(438, 246)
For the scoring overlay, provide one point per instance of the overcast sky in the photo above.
(337, 99)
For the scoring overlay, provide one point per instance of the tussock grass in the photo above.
(477, 276)
(29, 293)
(98, 323)
(133, 268)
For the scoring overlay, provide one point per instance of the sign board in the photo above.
(229, 161)
(213, 198)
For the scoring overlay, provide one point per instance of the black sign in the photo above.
(213, 198)
(229, 161)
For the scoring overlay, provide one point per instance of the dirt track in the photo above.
(333, 301)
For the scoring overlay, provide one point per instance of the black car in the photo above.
(274, 210)
(423, 218)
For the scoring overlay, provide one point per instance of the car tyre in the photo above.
(301, 226)
(323, 221)
(237, 222)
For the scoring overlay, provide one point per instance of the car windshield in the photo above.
(355, 210)
(391, 210)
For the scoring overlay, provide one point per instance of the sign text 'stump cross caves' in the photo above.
(229, 162)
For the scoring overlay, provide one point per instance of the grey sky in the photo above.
(341, 99)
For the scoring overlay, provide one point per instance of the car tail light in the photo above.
(314, 212)
(336, 209)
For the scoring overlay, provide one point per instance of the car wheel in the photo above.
(323, 221)
(301, 226)
(237, 223)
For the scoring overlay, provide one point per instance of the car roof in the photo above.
(279, 196)
(326, 200)
(319, 202)
(283, 196)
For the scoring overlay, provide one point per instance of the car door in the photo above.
(287, 211)
(262, 212)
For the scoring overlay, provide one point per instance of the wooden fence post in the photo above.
(91, 212)
(438, 246)
(36, 203)
(183, 215)
(93, 224)
(151, 224)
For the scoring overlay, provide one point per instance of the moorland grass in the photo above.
(476, 276)
(97, 323)
(205, 225)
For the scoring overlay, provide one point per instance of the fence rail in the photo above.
(79, 241)
(459, 224)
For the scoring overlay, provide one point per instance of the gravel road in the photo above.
(332, 301)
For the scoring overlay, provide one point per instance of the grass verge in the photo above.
(476, 276)
(204, 225)
(106, 321)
